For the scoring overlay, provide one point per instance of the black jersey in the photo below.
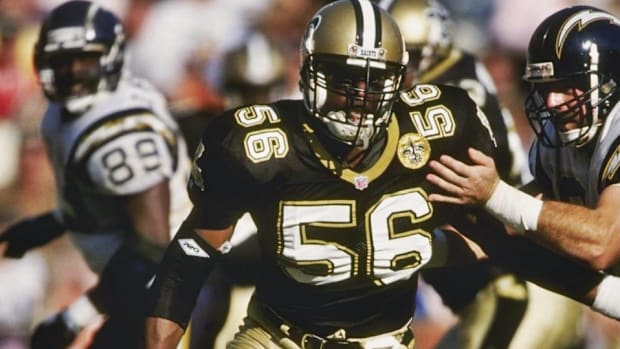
(341, 248)
(462, 69)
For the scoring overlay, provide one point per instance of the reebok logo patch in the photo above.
(191, 248)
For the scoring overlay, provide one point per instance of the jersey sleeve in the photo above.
(610, 171)
(477, 131)
(220, 187)
(130, 163)
(475, 128)
(541, 179)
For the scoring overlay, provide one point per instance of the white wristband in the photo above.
(607, 300)
(81, 312)
(514, 207)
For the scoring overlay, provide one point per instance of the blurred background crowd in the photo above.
(187, 49)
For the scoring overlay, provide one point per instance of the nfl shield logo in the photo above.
(361, 182)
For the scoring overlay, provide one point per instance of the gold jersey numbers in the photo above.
(265, 143)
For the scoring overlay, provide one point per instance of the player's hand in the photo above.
(30, 233)
(461, 183)
(53, 333)
(17, 238)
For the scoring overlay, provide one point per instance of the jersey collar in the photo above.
(359, 179)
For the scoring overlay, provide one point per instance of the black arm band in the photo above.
(33, 232)
(187, 263)
(125, 277)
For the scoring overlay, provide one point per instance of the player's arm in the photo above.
(31, 232)
(542, 266)
(133, 165)
(591, 235)
(221, 190)
(451, 248)
(188, 261)
(149, 212)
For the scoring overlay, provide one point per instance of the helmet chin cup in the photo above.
(354, 135)
(78, 105)
(579, 137)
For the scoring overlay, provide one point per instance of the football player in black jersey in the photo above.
(572, 105)
(253, 72)
(491, 303)
(336, 185)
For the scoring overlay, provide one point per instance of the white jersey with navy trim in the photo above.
(125, 144)
(574, 174)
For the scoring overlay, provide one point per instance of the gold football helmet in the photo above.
(353, 61)
(254, 72)
(425, 26)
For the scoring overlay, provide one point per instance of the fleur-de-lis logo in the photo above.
(413, 150)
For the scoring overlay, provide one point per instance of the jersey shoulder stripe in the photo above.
(117, 124)
(610, 169)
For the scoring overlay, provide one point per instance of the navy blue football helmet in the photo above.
(578, 48)
(79, 53)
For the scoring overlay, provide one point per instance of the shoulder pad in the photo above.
(130, 163)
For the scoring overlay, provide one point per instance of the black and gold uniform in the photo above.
(336, 186)
(342, 245)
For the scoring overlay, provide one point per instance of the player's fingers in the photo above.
(480, 158)
(444, 185)
(456, 166)
(446, 172)
(444, 199)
